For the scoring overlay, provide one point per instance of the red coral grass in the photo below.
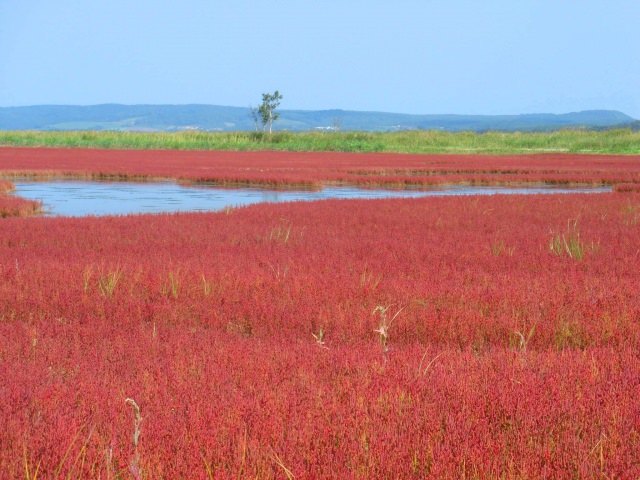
(313, 169)
(627, 187)
(212, 322)
(18, 207)
(6, 187)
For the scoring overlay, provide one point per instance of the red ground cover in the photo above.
(254, 343)
(18, 207)
(314, 169)
(11, 206)
(6, 187)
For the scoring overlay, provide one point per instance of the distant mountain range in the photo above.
(220, 118)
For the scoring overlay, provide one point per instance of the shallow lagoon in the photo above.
(82, 198)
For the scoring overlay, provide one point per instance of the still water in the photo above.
(79, 198)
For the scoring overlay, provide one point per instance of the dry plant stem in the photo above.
(137, 420)
(207, 466)
(287, 472)
(383, 329)
(27, 473)
(244, 452)
(320, 338)
(426, 369)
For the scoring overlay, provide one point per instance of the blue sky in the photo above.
(406, 56)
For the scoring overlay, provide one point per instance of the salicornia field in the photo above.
(12, 206)
(317, 169)
(440, 337)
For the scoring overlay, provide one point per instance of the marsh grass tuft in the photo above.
(569, 242)
(206, 286)
(319, 337)
(280, 234)
(498, 248)
(108, 281)
(171, 288)
(86, 278)
(631, 215)
(369, 279)
(523, 341)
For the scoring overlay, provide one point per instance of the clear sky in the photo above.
(405, 56)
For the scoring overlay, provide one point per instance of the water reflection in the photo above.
(76, 198)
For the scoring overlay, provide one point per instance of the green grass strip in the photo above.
(621, 141)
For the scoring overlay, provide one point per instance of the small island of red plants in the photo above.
(11, 206)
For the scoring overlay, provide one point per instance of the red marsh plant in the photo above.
(627, 187)
(233, 387)
(6, 187)
(11, 206)
(315, 169)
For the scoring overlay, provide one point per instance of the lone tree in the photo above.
(267, 111)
